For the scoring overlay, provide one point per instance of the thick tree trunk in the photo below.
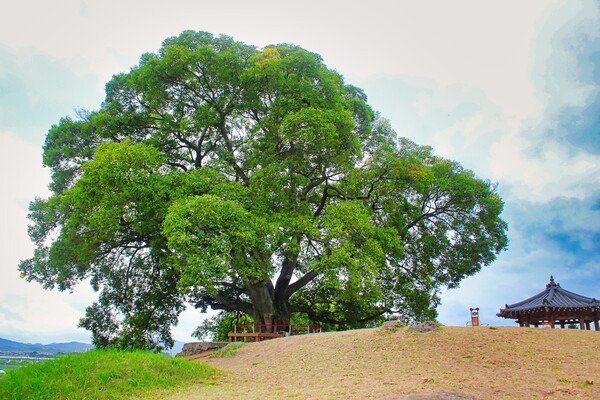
(266, 307)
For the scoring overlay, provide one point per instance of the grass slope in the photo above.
(481, 363)
(103, 374)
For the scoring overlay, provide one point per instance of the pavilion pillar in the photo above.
(596, 325)
(562, 324)
(587, 325)
(581, 326)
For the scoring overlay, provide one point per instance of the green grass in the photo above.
(103, 374)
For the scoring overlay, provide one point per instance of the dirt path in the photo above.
(452, 363)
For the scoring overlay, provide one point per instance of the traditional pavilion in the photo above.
(554, 305)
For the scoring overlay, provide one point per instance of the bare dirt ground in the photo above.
(450, 363)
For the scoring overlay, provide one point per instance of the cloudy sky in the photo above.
(510, 89)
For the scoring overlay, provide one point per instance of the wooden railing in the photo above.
(270, 331)
(288, 328)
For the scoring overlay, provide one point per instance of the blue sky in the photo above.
(511, 90)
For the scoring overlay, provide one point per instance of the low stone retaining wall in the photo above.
(193, 348)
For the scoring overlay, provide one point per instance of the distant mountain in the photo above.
(176, 348)
(53, 348)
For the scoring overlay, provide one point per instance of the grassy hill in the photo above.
(103, 374)
(451, 363)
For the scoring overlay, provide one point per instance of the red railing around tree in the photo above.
(288, 329)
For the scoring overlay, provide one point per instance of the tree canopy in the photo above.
(256, 181)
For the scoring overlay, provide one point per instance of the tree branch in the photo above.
(177, 165)
(319, 209)
(287, 271)
(312, 185)
(436, 211)
(231, 156)
(221, 303)
(300, 283)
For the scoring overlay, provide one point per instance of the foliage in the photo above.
(102, 374)
(216, 328)
(250, 181)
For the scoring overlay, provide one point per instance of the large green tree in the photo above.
(250, 180)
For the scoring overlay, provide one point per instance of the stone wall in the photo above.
(190, 349)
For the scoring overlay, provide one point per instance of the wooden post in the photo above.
(596, 325)
(587, 325)
(562, 324)
(581, 326)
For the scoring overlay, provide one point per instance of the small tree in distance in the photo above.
(256, 181)
(218, 327)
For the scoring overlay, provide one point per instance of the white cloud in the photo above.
(516, 137)
(482, 45)
(188, 321)
(536, 159)
(550, 171)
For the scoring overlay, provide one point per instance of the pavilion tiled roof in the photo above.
(554, 297)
